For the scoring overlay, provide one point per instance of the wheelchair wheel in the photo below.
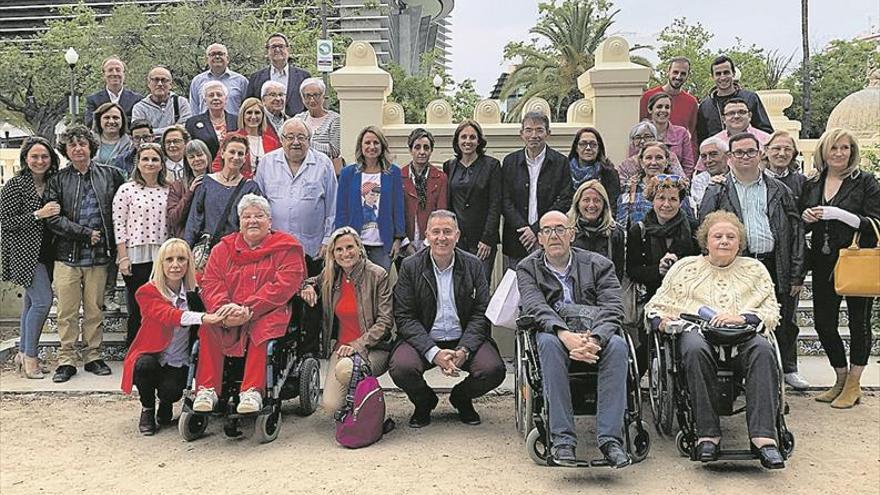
(267, 426)
(191, 426)
(684, 443)
(662, 389)
(522, 392)
(786, 443)
(537, 450)
(640, 441)
(309, 386)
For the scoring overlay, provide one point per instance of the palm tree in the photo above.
(570, 34)
(805, 67)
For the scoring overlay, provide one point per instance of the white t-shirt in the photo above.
(371, 194)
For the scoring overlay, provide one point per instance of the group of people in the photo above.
(252, 208)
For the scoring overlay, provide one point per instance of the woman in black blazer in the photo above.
(213, 125)
(837, 202)
(475, 193)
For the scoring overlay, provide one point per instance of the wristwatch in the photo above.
(467, 353)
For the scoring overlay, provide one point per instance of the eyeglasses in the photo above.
(147, 138)
(739, 154)
(217, 54)
(276, 46)
(174, 142)
(736, 113)
(781, 149)
(312, 96)
(711, 154)
(559, 230)
(643, 137)
(275, 95)
(534, 130)
(160, 80)
(301, 138)
(588, 145)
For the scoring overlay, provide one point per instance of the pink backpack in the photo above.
(361, 420)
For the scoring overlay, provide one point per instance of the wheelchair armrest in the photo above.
(525, 322)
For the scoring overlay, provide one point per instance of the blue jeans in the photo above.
(377, 255)
(37, 302)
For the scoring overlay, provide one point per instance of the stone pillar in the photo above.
(615, 85)
(362, 88)
(775, 102)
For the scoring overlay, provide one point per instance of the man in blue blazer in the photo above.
(113, 70)
(278, 52)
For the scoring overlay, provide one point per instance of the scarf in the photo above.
(420, 179)
(582, 173)
(590, 229)
(678, 229)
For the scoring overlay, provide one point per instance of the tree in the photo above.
(412, 91)
(464, 100)
(834, 74)
(566, 37)
(33, 83)
(806, 119)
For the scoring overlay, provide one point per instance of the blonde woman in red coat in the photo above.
(157, 359)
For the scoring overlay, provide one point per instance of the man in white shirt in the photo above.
(113, 71)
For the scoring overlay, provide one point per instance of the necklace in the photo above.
(229, 179)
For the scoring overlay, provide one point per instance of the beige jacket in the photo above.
(374, 308)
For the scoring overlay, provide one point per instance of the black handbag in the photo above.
(727, 335)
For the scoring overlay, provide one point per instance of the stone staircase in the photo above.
(114, 330)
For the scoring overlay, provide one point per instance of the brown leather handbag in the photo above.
(857, 272)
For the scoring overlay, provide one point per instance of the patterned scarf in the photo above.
(581, 173)
(420, 179)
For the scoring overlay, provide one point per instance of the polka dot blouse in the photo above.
(139, 215)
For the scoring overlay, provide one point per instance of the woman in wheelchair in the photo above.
(250, 278)
(740, 292)
(356, 296)
(157, 359)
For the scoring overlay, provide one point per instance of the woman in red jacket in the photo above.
(157, 359)
(250, 278)
(424, 188)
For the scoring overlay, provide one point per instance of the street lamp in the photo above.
(438, 83)
(71, 57)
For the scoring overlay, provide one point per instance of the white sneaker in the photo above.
(249, 401)
(796, 381)
(206, 400)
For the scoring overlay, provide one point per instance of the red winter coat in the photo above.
(159, 319)
(264, 279)
(435, 199)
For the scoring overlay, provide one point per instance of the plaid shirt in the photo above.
(90, 218)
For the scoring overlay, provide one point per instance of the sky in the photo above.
(481, 28)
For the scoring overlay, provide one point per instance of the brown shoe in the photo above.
(32, 368)
(851, 394)
(832, 393)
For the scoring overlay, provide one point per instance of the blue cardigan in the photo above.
(349, 205)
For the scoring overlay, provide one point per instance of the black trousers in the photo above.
(140, 275)
(758, 362)
(310, 318)
(787, 331)
(154, 380)
(826, 313)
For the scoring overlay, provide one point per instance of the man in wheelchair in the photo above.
(558, 281)
(730, 293)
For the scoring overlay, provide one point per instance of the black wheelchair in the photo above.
(290, 373)
(531, 414)
(670, 401)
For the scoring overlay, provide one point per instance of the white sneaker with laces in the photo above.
(206, 400)
(249, 401)
(796, 381)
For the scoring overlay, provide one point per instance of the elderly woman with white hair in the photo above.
(641, 134)
(250, 278)
(212, 126)
(324, 123)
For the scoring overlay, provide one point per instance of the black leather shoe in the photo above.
(564, 455)
(465, 407)
(147, 423)
(707, 451)
(164, 413)
(421, 417)
(98, 367)
(769, 456)
(63, 373)
(615, 455)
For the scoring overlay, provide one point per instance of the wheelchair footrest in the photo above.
(736, 455)
(579, 463)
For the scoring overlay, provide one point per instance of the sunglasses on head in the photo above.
(668, 177)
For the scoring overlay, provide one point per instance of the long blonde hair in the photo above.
(328, 275)
(606, 223)
(827, 140)
(157, 276)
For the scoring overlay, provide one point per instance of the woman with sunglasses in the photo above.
(653, 245)
(639, 136)
(139, 225)
(356, 299)
(632, 205)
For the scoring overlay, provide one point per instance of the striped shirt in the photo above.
(753, 201)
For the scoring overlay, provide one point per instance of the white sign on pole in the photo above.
(325, 56)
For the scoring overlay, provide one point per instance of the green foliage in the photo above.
(33, 84)
(758, 69)
(463, 101)
(835, 73)
(412, 91)
(566, 36)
